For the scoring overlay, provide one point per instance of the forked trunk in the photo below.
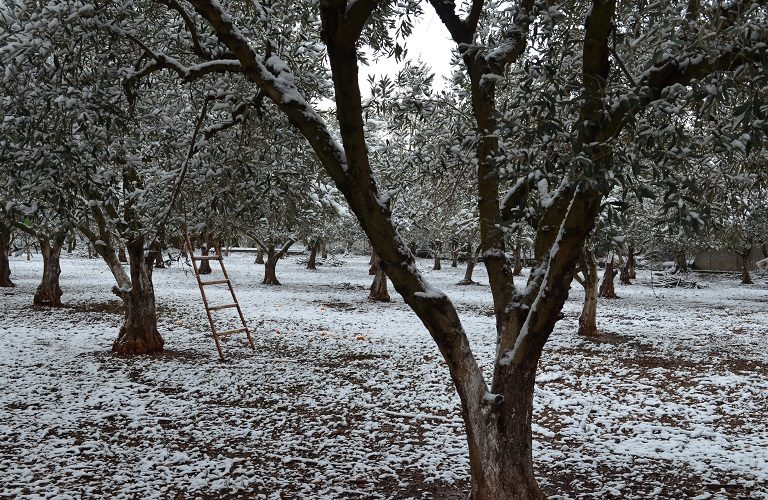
(5, 250)
(518, 261)
(379, 291)
(588, 318)
(139, 334)
(746, 278)
(437, 246)
(607, 289)
(49, 292)
(470, 266)
(312, 264)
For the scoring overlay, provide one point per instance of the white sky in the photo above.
(430, 42)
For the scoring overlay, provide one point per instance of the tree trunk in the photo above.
(470, 266)
(312, 264)
(139, 334)
(5, 250)
(379, 291)
(205, 266)
(259, 256)
(437, 246)
(588, 318)
(121, 256)
(270, 267)
(518, 261)
(500, 439)
(607, 289)
(159, 262)
(624, 278)
(746, 278)
(70, 243)
(374, 265)
(454, 253)
(681, 265)
(49, 292)
(631, 262)
(324, 250)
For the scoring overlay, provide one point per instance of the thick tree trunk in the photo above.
(518, 261)
(312, 264)
(139, 334)
(259, 256)
(5, 251)
(500, 439)
(273, 256)
(437, 247)
(607, 289)
(746, 278)
(470, 266)
(588, 318)
(49, 292)
(379, 291)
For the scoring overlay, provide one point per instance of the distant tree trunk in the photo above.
(624, 278)
(5, 251)
(470, 266)
(138, 334)
(49, 292)
(681, 265)
(454, 253)
(159, 262)
(518, 261)
(412, 248)
(121, 254)
(312, 264)
(324, 250)
(746, 278)
(588, 318)
(437, 246)
(379, 291)
(270, 266)
(259, 256)
(205, 266)
(631, 262)
(70, 243)
(607, 289)
(374, 264)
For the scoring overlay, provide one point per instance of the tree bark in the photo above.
(159, 262)
(205, 266)
(588, 318)
(121, 256)
(312, 264)
(259, 256)
(49, 292)
(454, 253)
(607, 289)
(324, 250)
(5, 251)
(374, 264)
(138, 334)
(470, 266)
(273, 255)
(518, 261)
(746, 278)
(379, 291)
(437, 247)
(681, 264)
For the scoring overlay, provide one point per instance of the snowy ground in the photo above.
(345, 398)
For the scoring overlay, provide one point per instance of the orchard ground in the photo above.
(347, 398)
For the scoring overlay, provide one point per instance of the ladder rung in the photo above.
(223, 306)
(214, 282)
(230, 332)
(206, 257)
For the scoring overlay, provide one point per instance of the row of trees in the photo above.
(571, 127)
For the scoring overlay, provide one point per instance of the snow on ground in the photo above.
(346, 398)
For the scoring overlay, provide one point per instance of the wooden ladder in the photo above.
(208, 308)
